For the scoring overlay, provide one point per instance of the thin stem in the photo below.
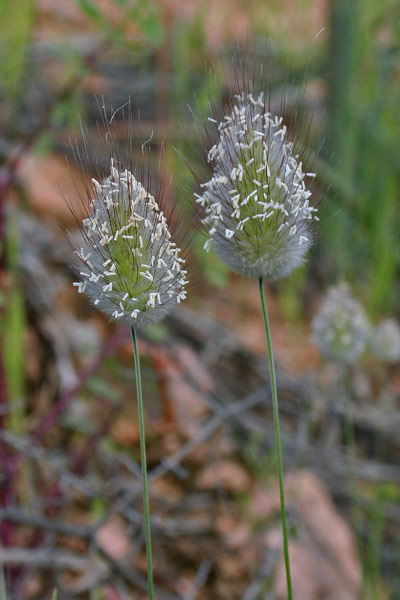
(350, 450)
(144, 465)
(277, 439)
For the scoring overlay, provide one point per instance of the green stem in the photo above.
(144, 465)
(350, 450)
(277, 439)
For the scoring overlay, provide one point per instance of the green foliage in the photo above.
(363, 132)
(194, 87)
(377, 520)
(373, 519)
(263, 464)
(145, 14)
(212, 267)
(157, 333)
(68, 112)
(194, 83)
(98, 386)
(142, 13)
(16, 25)
(112, 32)
(13, 327)
(291, 291)
(98, 508)
(96, 593)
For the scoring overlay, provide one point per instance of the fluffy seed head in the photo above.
(132, 270)
(257, 206)
(386, 341)
(340, 328)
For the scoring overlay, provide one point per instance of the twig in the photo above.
(205, 433)
(200, 579)
(18, 516)
(44, 559)
(133, 576)
(263, 574)
(50, 419)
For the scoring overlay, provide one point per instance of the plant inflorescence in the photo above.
(133, 271)
(257, 204)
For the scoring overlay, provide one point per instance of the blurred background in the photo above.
(70, 488)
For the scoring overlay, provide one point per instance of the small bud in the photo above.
(340, 328)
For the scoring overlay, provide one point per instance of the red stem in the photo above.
(51, 418)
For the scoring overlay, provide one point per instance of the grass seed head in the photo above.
(257, 204)
(386, 341)
(131, 268)
(340, 328)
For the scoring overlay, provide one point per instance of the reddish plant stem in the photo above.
(5, 486)
(51, 418)
(47, 423)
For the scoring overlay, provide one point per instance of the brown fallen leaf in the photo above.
(238, 537)
(225, 474)
(311, 577)
(264, 503)
(125, 431)
(331, 534)
(323, 559)
(113, 539)
(52, 186)
(194, 368)
(187, 405)
(163, 488)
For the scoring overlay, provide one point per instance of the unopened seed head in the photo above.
(340, 328)
(257, 204)
(131, 269)
(386, 341)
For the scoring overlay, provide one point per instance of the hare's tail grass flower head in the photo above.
(386, 341)
(340, 328)
(131, 268)
(256, 205)
(257, 210)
